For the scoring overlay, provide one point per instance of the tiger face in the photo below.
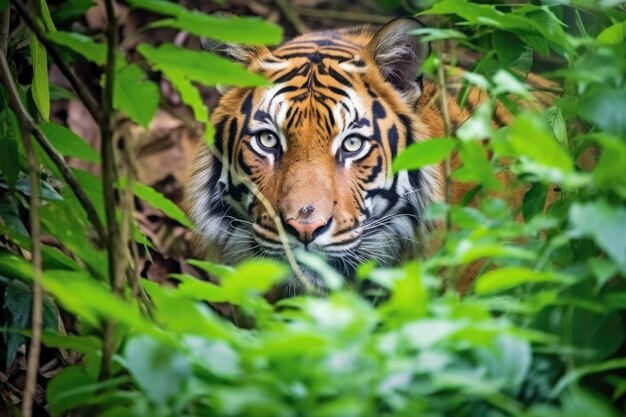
(314, 151)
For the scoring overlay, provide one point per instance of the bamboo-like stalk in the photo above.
(109, 181)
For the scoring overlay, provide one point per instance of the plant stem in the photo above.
(79, 87)
(346, 16)
(447, 128)
(35, 234)
(292, 15)
(109, 180)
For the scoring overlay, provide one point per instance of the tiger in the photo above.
(313, 151)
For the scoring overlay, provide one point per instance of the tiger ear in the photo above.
(399, 54)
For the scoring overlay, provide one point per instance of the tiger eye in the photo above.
(267, 139)
(352, 144)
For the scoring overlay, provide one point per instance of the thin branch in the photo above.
(5, 20)
(291, 14)
(79, 87)
(109, 180)
(345, 16)
(35, 234)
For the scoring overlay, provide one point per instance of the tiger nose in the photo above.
(307, 232)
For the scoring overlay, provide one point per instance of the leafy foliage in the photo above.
(540, 333)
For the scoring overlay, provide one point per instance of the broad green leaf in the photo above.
(508, 47)
(67, 390)
(9, 157)
(68, 143)
(46, 191)
(158, 201)
(17, 308)
(40, 88)
(160, 370)
(534, 201)
(218, 270)
(424, 153)
(171, 306)
(436, 34)
(135, 96)
(530, 137)
(4, 4)
(555, 118)
(471, 251)
(476, 167)
(84, 45)
(199, 66)
(508, 277)
(45, 16)
(73, 387)
(12, 223)
(71, 10)
(609, 172)
(91, 300)
(605, 224)
(244, 30)
(250, 277)
(604, 106)
(613, 35)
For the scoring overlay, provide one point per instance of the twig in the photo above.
(109, 180)
(291, 14)
(5, 20)
(447, 126)
(35, 234)
(346, 16)
(79, 87)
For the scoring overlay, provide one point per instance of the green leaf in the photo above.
(84, 45)
(509, 277)
(67, 390)
(73, 387)
(91, 300)
(199, 66)
(71, 10)
(44, 12)
(17, 306)
(47, 192)
(476, 167)
(613, 35)
(4, 4)
(40, 88)
(508, 46)
(604, 105)
(555, 118)
(9, 157)
(158, 201)
(534, 200)
(530, 137)
(160, 370)
(246, 30)
(605, 224)
(424, 153)
(135, 96)
(609, 172)
(218, 270)
(68, 143)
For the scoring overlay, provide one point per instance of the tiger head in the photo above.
(314, 151)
